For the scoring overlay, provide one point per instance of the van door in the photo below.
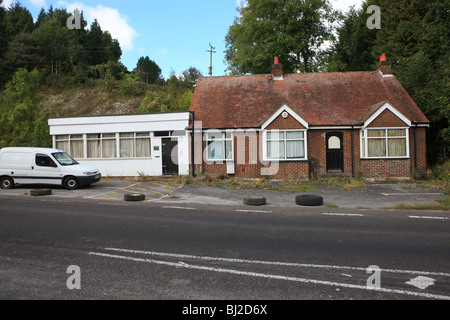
(45, 170)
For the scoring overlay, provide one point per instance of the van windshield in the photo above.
(64, 159)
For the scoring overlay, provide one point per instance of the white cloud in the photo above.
(7, 3)
(109, 19)
(38, 3)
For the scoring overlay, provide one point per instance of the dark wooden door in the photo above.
(335, 152)
(170, 156)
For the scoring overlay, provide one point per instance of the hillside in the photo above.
(82, 101)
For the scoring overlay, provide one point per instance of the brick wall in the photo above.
(248, 153)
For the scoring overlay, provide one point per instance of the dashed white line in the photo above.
(173, 207)
(428, 217)
(410, 193)
(254, 211)
(343, 214)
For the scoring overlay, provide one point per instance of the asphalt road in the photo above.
(160, 251)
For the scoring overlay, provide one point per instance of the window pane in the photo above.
(397, 147)
(109, 148)
(109, 135)
(229, 149)
(93, 136)
(143, 148)
(294, 135)
(43, 160)
(295, 149)
(76, 136)
(143, 134)
(376, 133)
(215, 136)
(334, 143)
(377, 147)
(275, 135)
(216, 150)
(66, 137)
(94, 148)
(77, 149)
(62, 145)
(397, 133)
(275, 150)
(126, 148)
(127, 135)
(363, 146)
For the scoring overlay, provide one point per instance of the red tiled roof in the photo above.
(321, 99)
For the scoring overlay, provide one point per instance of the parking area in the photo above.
(107, 189)
(371, 196)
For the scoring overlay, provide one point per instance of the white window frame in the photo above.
(69, 141)
(135, 137)
(223, 139)
(364, 146)
(101, 139)
(305, 145)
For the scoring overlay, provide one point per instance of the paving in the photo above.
(371, 196)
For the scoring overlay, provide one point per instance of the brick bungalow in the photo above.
(308, 125)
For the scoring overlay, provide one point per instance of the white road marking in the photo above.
(428, 217)
(421, 282)
(411, 193)
(254, 211)
(185, 208)
(271, 276)
(101, 194)
(344, 214)
(274, 263)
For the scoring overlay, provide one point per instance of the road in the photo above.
(159, 251)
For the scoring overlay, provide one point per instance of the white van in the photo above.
(43, 166)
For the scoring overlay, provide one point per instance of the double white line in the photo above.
(264, 275)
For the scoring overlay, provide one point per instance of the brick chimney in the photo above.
(384, 66)
(277, 70)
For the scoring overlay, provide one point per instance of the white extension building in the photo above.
(126, 145)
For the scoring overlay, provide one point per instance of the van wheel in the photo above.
(7, 183)
(71, 183)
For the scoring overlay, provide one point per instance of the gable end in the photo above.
(387, 116)
(293, 121)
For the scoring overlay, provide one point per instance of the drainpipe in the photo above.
(353, 154)
(415, 148)
(192, 143)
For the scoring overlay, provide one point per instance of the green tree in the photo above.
(190, 76)
(293, 30)
(24, 52)
(19, 20)
(4, 74)
(18, 109)
(148, 70)
(53, 40)
(352, 49)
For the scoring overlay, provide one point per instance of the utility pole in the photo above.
(211, 51)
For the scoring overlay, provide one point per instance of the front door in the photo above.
(335, 152)
(170, 156)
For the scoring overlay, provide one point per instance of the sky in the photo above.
(176, 34)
